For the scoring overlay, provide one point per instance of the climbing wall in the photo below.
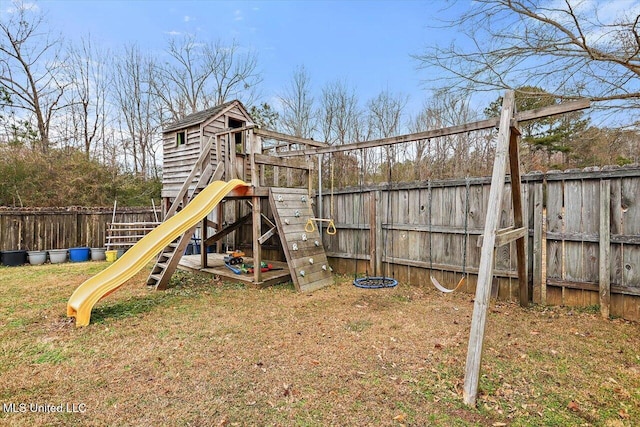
(304, 251)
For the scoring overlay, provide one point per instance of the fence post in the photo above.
(605, 247)
(539, 288)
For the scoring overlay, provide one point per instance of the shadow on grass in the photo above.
(130, 307)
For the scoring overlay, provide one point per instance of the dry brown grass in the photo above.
(206, 353)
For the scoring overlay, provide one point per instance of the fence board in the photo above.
(44, 229)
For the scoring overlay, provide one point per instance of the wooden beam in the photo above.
(248, 192)
(288, 138)
(518, 216)
(505, 236)
(487, 255)
(553, 110)
(233, 130)
(257, 231)
(565, 107)
(204, 259)
(266, 236)
(294, 163)
(605, 248)
(228, 229)
(264, 217)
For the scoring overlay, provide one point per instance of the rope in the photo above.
(310, 225)
(464, 250)
(361, 212)
(433, 279)
(390, 211)
(331, 199)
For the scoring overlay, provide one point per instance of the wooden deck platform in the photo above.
(216, 267)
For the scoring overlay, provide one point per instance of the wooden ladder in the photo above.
(169, 258)
(127, 234)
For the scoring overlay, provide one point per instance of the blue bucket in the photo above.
(79, 254)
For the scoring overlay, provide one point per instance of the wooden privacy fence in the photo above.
(583, 246)
(61, 228)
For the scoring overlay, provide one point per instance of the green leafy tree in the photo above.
(264, 116)
(549, 135)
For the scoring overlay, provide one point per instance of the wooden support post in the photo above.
(518, 217)
(288, 172)
(276, 172)
(255, 150)
(257, 232)
(219, 219)
(605, 247)
(485, 274)
(538, 205)
(203, 246)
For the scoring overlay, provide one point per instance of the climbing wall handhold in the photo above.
(316, 243)
(303, 198)
(297, 213)
(304, 237)
(310, 260)
(294, 247)
(324, 267)
(286, 221)
(302, 273)
(280, 199)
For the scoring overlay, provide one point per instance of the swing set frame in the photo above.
(506, 153)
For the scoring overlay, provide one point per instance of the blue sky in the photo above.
(367, 43)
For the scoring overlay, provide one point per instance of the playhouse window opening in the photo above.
(180, 138)
(238, 137)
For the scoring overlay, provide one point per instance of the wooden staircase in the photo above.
(303, 249)
(169, 258)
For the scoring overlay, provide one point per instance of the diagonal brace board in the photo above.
(506, 150)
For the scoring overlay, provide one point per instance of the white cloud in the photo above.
(237, 15)
(173, 33)
(187, 18)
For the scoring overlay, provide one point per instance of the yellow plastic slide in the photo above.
(138, 256)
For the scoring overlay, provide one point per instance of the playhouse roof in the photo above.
(201, 116)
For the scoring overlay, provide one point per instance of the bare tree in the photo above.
(88, 71)
(138, 108)
(570, 48)
(201, 75)
(31, 67)
(385, 113)
(454, 155)
(298, 116)
(340, 115)
(341, 121)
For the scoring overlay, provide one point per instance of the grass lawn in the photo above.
(207, 353)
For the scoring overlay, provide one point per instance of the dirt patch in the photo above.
(208, 353)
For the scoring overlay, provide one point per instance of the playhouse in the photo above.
(220, 144)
